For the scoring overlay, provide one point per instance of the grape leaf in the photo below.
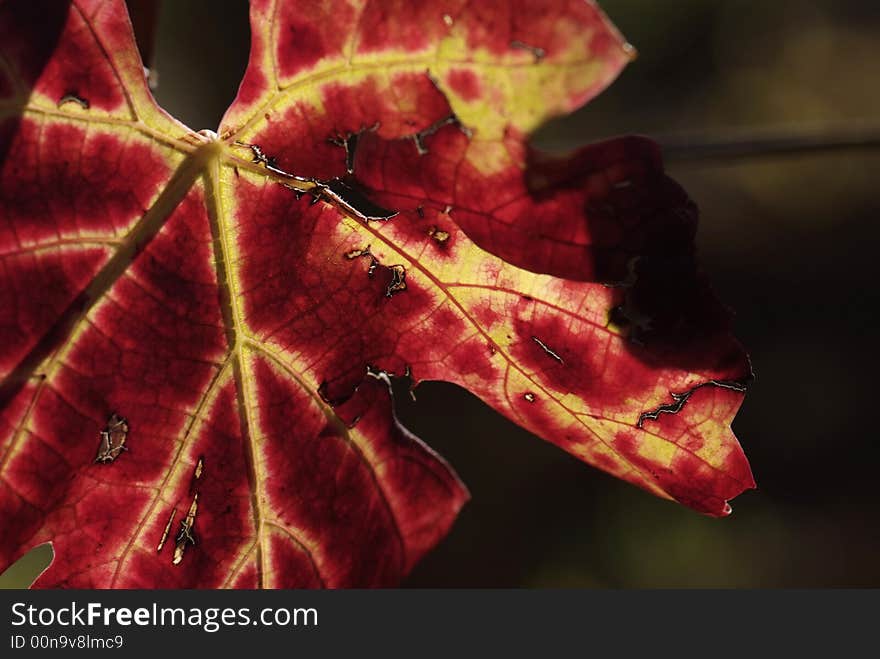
(199, 328)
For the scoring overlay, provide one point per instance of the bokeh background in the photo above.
(789, 241)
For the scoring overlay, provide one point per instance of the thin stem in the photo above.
(768, 142)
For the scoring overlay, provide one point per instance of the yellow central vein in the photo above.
(232, 316)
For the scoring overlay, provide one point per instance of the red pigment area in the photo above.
(707, 402)
(464, 83)
(412, 27)
(306, 35)
(396, 168)
(248, 577)
(401, 26)
(254, 83)
(13, 412)
(488, 313)
(472, 361)
(403, 105)
(579, 351)
(301, 45)
(403, 500)
(299, 141)
(575, 357)
(17, 484)
(605, 369)
(604, 44)
(545, 24)
(253, 86)
(59, 181)
(90, 531)
(16, 541)
(35, 290)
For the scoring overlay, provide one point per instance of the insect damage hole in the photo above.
(185, 535)
(345, 193)
(73, 97)
(548, 350)
(259, 157)
(438, 235)
(364, 253)
(113, 439)
(451, 120)
(198, 470)
(398, 280)
(349, 142)
(166, 531)
(200, 467)
(396, 273)
(348, 195)
(679, 400)
(529, 397)
(537, 53)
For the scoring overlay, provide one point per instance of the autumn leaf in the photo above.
(198, 328)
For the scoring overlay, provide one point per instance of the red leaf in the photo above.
(198, 329)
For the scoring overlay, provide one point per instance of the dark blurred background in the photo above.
(789, 242)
